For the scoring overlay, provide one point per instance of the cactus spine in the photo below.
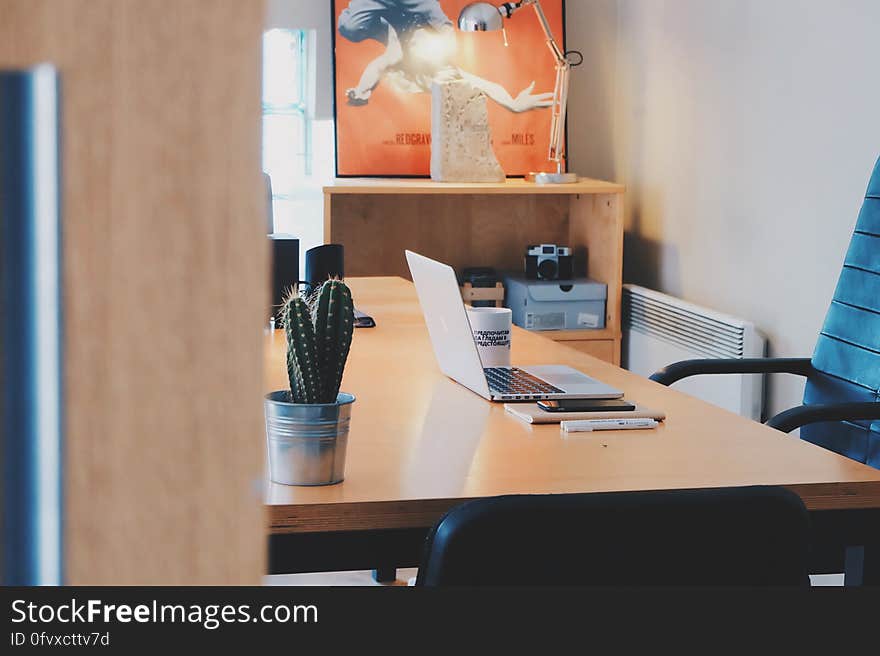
(318, 341)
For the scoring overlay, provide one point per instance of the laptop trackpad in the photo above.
(568, 381)
(571, 380)
(561, 376)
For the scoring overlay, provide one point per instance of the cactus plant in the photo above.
(318, 341)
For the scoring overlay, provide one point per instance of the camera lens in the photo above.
(547, 269)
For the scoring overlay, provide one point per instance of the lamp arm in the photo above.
(545, 25)
(556, 151)
(557, 127)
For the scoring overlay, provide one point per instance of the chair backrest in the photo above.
(729, 536)
(847, 355)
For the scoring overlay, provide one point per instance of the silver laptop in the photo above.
(459, 359)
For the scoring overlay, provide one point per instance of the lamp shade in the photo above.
(480, 17)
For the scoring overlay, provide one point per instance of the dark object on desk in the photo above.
(587, 405)
(751, 536)
(285, 266)
(322, 263)
(841, 411)
(362, 320)
(548, 262)
(480, 278)
(325, 262)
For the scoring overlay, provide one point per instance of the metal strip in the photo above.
(30, 252)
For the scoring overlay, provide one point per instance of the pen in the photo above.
(587, 425)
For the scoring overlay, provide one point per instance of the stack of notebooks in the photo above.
(533, 414)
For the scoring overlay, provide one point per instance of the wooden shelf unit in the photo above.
(484, 224)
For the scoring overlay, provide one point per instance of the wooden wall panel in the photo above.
(458, 229)
(165, 273)
(598, 220)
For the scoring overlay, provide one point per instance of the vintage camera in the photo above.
(548, 262)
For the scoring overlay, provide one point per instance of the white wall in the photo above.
(591, 27)
(745, 131)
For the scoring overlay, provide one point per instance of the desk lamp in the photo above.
(484, 17)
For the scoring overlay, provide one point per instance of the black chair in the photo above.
(841, 410)
(731, 536)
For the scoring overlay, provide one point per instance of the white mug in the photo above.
(491, 329)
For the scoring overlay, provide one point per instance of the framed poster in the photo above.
(387, 53)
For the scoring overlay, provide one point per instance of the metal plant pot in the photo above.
(307, 441)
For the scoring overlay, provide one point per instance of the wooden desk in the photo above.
(420, 444)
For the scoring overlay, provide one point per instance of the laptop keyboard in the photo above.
(516, 381)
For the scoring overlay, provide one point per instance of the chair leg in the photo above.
(862, 566)
(385, 574)
(854, 567)
(871, 565)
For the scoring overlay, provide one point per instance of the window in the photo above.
(298, 150)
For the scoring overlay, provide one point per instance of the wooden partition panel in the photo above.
(165, 290)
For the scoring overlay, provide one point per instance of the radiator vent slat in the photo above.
(664, 328)
(685, 310)
(703, 331)
(701, 350)
(709, 325)
(649, 314)
(660, 329)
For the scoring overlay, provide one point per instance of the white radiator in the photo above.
(659, 329)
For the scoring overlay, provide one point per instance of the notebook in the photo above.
(532, 414)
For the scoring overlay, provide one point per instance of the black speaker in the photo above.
(285, 266)
(323, 262)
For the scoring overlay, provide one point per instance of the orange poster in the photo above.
(387, 54)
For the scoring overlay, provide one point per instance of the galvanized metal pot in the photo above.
(307, 441)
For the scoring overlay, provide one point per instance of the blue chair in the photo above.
(841, 409)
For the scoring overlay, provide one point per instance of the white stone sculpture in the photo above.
(461, 141)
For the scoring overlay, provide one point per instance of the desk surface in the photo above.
(420, 443)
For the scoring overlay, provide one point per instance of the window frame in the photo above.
(303, 108)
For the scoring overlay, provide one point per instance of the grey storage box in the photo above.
(576, 304)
